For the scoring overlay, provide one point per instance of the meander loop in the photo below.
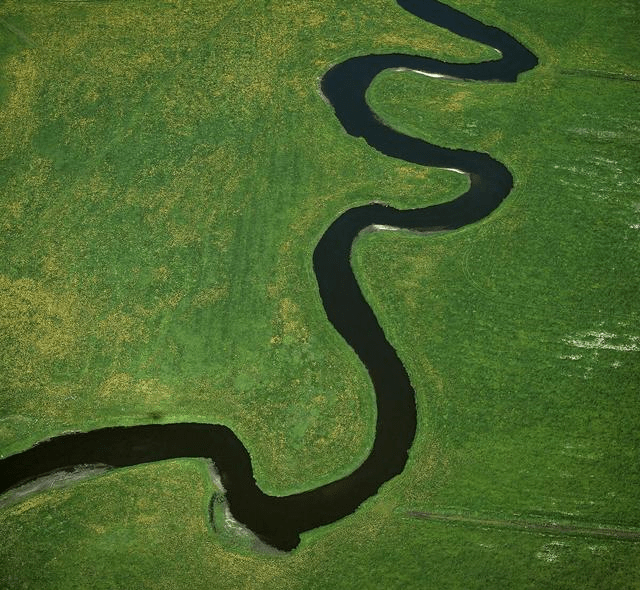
(279, 521)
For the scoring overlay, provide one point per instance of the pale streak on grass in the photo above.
(18, 121)
(604, 341)
(124, 387)
(291, 323)
(43, 501)
(210, 296)
(43, 324)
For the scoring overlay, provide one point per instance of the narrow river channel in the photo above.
(279, 521)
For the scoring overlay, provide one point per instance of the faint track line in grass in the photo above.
(600, 74)
(620, 534)
(18, 33)
(466, 271)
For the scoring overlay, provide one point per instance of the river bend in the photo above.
(279, 521)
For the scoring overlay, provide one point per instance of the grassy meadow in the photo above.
(166, 169)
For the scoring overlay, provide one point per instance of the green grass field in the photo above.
(166, 170)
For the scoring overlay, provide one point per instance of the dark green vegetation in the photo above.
(166, 172)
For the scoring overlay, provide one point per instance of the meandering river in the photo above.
(279, 520)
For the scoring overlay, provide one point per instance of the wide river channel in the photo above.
(279, 521)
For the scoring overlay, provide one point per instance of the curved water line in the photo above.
(280, 520)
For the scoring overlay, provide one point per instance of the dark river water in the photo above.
(279, 521)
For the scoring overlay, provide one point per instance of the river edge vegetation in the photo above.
(166, 173)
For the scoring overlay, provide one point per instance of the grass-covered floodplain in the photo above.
(166, 171)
